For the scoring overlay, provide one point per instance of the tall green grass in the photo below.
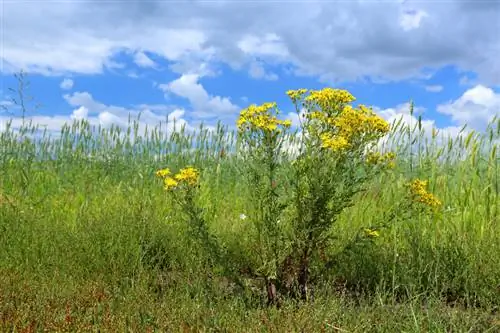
(89, 241)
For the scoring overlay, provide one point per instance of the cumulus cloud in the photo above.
(142, 60)
(476, 107)
(336, 43)
(66, 84)
(81, 113)
(424, 128)
(204, 105)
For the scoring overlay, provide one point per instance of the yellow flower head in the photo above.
(170, 183)
(360, 121)
(328, 97)
(189, 175)
(371, 233)
(335, 143)
(163, 173)
(295, 95)
(261, 118)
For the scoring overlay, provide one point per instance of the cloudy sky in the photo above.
(203, 61)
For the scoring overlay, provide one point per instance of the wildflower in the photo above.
(242, 216)
(335, 143)
(329, 97)
(170, 183)
(371, 233)
(420, 194)
(188, 175)
(360, 121)
(295, 95)
(260, 117)
(163, 173)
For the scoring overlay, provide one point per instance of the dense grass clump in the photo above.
(91, 241)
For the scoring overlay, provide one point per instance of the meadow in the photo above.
(91, 241)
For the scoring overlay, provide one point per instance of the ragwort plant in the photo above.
(263, 135)
(182, 189)
(336, 160)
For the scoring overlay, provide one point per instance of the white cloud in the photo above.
(107, 119)
(476, 108)
(403, 123)
(66, 84)
(434, 88)
(81, 113)
(142, 60)
(203, 104)
(267, 45)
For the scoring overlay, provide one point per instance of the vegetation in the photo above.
(349, 224)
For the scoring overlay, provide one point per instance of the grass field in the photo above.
(90, 241)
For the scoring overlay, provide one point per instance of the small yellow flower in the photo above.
(372, 233)
(163, 173)
(188, 175)
(170, 183)
(335, 143)
(296, 94)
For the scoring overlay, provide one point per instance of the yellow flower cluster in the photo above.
(419, 193)
(360, 121)
(260, 117)
(188, 175)
(336, 143)
(329, 97)
(295, 95)
(377, 158)
(339, 122)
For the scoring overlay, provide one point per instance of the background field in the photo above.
(90, 242)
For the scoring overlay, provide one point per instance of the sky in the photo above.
(204, 61)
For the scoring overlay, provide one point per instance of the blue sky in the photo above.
(203, 61)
